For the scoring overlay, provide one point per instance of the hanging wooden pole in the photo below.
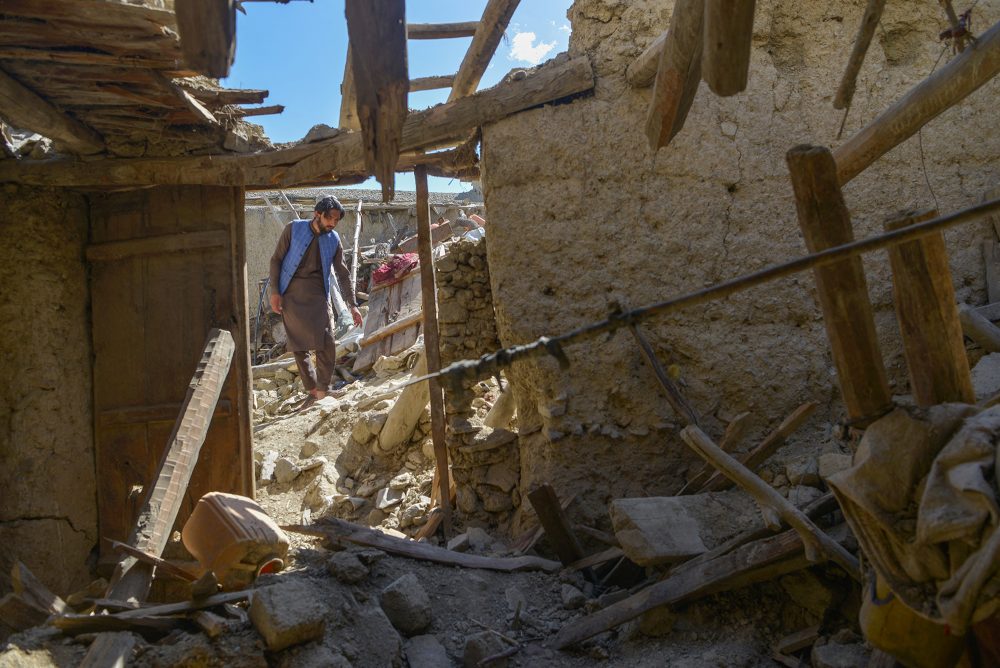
(928, 316)
(845, 92)
(678, 74)
(431, 341)
(354, 258)
(842, 288)
(728, 34)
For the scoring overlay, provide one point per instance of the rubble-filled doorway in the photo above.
(166, 265)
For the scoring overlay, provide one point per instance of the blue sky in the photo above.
(297, 52)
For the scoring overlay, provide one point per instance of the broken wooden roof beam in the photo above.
(24, 108)
(260, 111)
(348, 95)
(491, 27)
(728, 35)
(678, 73)
(942, 90)
(848, 82)
(431, 83)
(223, 96)
(207, 30)
(377, 30)
(441, 30)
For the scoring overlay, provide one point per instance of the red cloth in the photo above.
(397, 267)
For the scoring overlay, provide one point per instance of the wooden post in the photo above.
(845, 92)
(948, 86)
(928, 316)
(431, 340)
(557, 526)
(354, 258)
(728, 33)
(678, 74)
(842, 288)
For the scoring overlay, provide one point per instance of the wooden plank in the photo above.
(207, 29)
(32, 591)
(349, 96)
(168, 243)
(187, 100)
(261, 111)
(441, 30)
(928, 318)
(557, 527)
(19, 614)
(329, 159)
(168, 65)
(678, 402)
(491, 28)
(431, 83)
(377, 30)
(224, 96)
(162, 565)
(392, 328)
(940, 91)
(766, 448)
(341, 532)
(978, 327)
(678, 73)
(152, 531)
(845, 91)
(596, 559)
(109, 650)
(24, 108)
(88, 14)
(843, 290)
(432, 345)
(728, 34)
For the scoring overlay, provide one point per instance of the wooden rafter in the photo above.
(349, 96)
(261, 111)
(441, 30)
(728, 33)
(377, 31)
(431, 83)
(208, 34)
(222, 96)
(23, 108)
(496, 16)
(678, 75)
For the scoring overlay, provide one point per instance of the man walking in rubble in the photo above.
(300, 291)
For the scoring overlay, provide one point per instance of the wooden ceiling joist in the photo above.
(728, 34)
(260, 111)
(348, 96)
(496, 16)
(223, 96)
(329, 161)
(23, 108)
(173, 66)
(441, 30)
(88, 13)
(208, 34)
(431, 83)
(377, 31)
(641, 72)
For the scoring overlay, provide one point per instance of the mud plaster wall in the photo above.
(611, 222)
(48, 507)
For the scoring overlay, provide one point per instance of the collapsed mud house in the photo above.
(634, 183)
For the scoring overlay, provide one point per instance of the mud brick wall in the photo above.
(485, 461)
(585, 218)
(48, 504)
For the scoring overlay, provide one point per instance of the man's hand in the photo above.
(356, 314)
(276, 303)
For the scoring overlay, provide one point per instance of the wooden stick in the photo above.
(160, 564)
(491, 27)
(842, 288)
(340, 532)
(678, 74)
(392, 328)
(814, 539)
(728, 33)
(735, 431)
(678, 401)
(354, 257)
(978, 328)
(845, 91)
(260, 111)
(432, 344)
(767, 447)
(942, 90)
(431, 83)
(558, 530)
(642, 71)
(441, 30)
(928, 318)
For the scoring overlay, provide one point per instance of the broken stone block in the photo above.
(402, 482)
(308, 449)
(657, 530)
(311, 463)
(480, 646)
(833, 462)
(286, 470)
(478, 539)
(407, 605)
(808, 591)
(459, 543)
(658, 622)
(287, 614)
(572, 598)
(387, 497)
(986, 376)
(426, 652)
(502, 475)
(314, 656)
(361, 433)
(494, 500)
(803, 472)
(267, 465)
(801, 495)
(346, 567)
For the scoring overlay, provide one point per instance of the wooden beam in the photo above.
(165, 243)
(23, 108)
(432, 345)
(951, 84)
(188, 100)
(221, 96)
(678, 402)
(431, 83)
(496, 16)
(172, 66)
(845, 91)
(641, 72)
(324, 161)
(441, 30)
(843, 290)
(349, 96)
(260, 111)
(678, 74)
(557, 527)
(728, 34)
(207, 30)
(978, 327)
(928, 318)
(377, 30)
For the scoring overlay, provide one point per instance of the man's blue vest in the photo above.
(302, 236)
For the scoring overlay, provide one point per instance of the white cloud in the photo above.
(562, 28)
(524, 49)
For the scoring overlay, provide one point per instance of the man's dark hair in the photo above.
(329, 203)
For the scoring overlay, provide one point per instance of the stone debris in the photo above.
(287, 614)
(406, 604)
(480, 646)
(286, 470)
(347, 567)
(572, 598)
(426, 652)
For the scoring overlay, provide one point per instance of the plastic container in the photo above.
(233, 537)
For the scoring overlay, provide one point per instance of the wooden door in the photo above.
(166, 265)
